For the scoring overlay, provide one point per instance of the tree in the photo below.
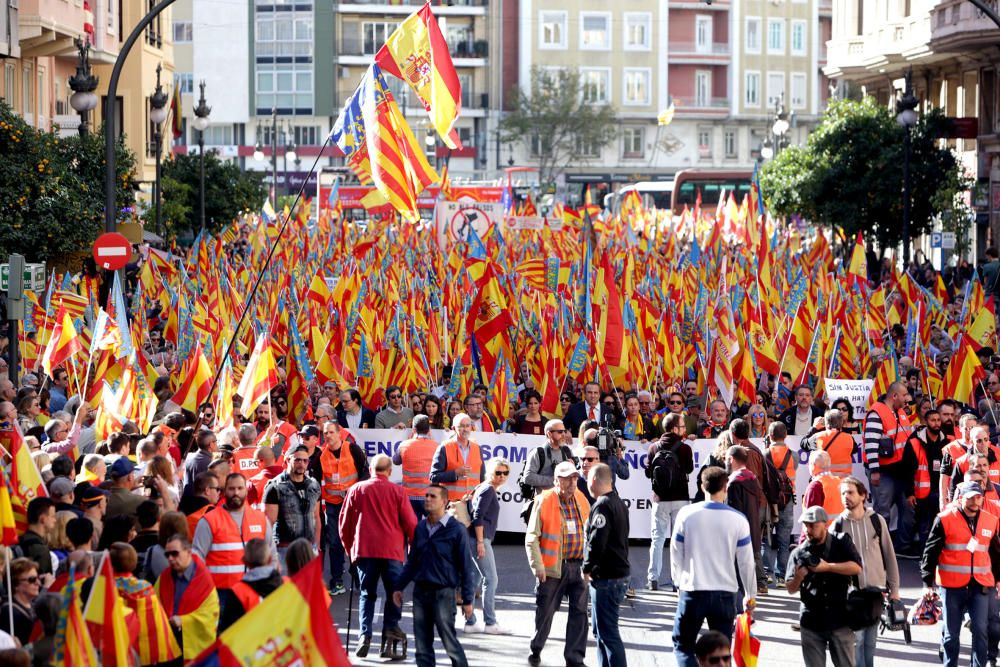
(850, 174)
(556, 123)
(229, 191)
(53, 189)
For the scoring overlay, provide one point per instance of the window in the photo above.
(595, 84)
(703, 34)
(185, 82)
(752, 39)
(27, 92)
(587, 149)
(468, 97)
(460, 41)
(182, 32)
(113, 8)
(595, 30)
(704, 142)
(552, 31)
(798, 38)
(799, 87)
(775, 88)
(10, 84)
(776, 35)
(633, 142)
(306, 135)
(43, 99)
(286, 33)
(284, 86)
(637, 86)
(374, 35)
(283, 51)
(751, 89)
(703, 88)
(637, 31)
(729, 144)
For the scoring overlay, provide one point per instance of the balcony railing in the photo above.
(695, 49)
(470, 49)
(700, 103)
(416, 3)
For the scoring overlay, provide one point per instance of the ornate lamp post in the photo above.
(158, 114)
(83, 84)
(201, 124)
(906, 116)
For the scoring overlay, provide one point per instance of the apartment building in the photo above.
(723, 67)
(947, 45)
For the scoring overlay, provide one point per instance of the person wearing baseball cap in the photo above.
(962, 557)
(821, 569)
(123, 482)
(555, 541)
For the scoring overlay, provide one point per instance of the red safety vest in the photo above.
(962, 464)
(957, 565)
(245, 462)
(922, 480)
(225, 555)
(832, 502)
(417, 455)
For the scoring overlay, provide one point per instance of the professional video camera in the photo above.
(809, 557)
(609, 442)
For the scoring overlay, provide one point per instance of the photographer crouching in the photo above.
(822, 567)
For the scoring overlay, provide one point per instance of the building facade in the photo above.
(944, 44)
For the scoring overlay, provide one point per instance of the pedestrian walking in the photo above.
(778, 537)
(554, 542)
(605, 564)
(416, 456)
(870, 535)
(744, 494)
(376, 524)
(708, 538)
(458, 462)
(291, 503)
(485, 515)
(670, 462)
(342, 467)
(439, 564)
(821, 569)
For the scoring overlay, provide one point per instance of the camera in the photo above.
(807, 558)
(609, 442)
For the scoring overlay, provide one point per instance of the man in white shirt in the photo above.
(708, 537)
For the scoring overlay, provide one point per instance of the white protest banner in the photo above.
(634, 491)
(533, 222)
(855, 391)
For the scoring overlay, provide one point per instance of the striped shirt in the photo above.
(573, 527)
(874, 430)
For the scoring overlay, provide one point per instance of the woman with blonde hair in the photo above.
(59, 543)
(485, 514)
(757, 418)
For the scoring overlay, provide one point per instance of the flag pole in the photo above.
(267, 262)
(8, 553)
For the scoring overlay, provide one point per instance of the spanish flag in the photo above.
(196, 381)
(857, 271)
(260, 376)
(63, 343)
(963, 374)
(8, 531)
(746, 647)
(290, 627)
(25, 481)
(418, 54)
(198, 608)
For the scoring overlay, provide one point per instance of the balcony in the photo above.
(48, 27)
(701, 107)
(959, 26)
(681, 53)
(404, 7)
(700, 5)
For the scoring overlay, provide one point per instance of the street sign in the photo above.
(34, 277)
(935, 239)
(947, 240)
(112, 251)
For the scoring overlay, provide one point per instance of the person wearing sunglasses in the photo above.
(291, 503)
(394, 414)
(542, 461)
(195, 607)
(27, 586)
(757, 417)
(485, 515)
(713, 650)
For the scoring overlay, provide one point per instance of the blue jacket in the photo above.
(441, 561)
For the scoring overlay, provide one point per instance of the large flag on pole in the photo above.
(260, 376)
(63, 344)
(105, 615)
(73, 647)
(418, 54)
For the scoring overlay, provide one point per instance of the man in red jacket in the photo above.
(376, 523)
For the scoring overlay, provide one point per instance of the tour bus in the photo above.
(711, 183)
(653, 193)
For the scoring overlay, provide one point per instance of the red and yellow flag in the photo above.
(63, 343)
(25, 481)
(105, 616)
(73, 647)
(260, 376)
(746, 647)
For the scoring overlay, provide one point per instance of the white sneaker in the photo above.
(497, 629)
(473, 628)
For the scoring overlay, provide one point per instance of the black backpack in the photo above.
(528, 491)
(786, 490)
(665, 470)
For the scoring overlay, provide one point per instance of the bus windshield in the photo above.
(712, 185)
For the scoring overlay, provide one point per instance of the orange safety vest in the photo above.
(832, 502)
(896, 427)
(957, 565)
(417, 455)
(922, 480)
(339, 474)
(777, 453)
(225, 556)
(839, 446)
(195, 517)
(962, 464)
(553, 527)
(245, 463)
(992, 500)
(458, 489)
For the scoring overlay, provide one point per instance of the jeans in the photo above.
(548, 597)
(370, 571)
(976, 600)
(924, 514)
(864, 652)
(488, 571)
(662, 521)
(435, 608)
(693, 609)
(776, 545)
(993, 627)
(334, 547)
(418, 507)
(840, 642)
(606, 596)
(887, 494)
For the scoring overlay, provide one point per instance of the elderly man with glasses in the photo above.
(539, 471)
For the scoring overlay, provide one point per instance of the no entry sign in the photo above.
(112, 251)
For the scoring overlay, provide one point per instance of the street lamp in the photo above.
(258, 149)
(430, 141)
(290, 156)
(158, 114)
(83, 84)
(906, 115)
(767, 149)
(201, 123)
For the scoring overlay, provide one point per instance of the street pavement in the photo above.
(646, 623)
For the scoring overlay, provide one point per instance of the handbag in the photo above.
(459, 510)
(864, 607)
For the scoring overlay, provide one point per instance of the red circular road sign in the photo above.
(112, 251)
